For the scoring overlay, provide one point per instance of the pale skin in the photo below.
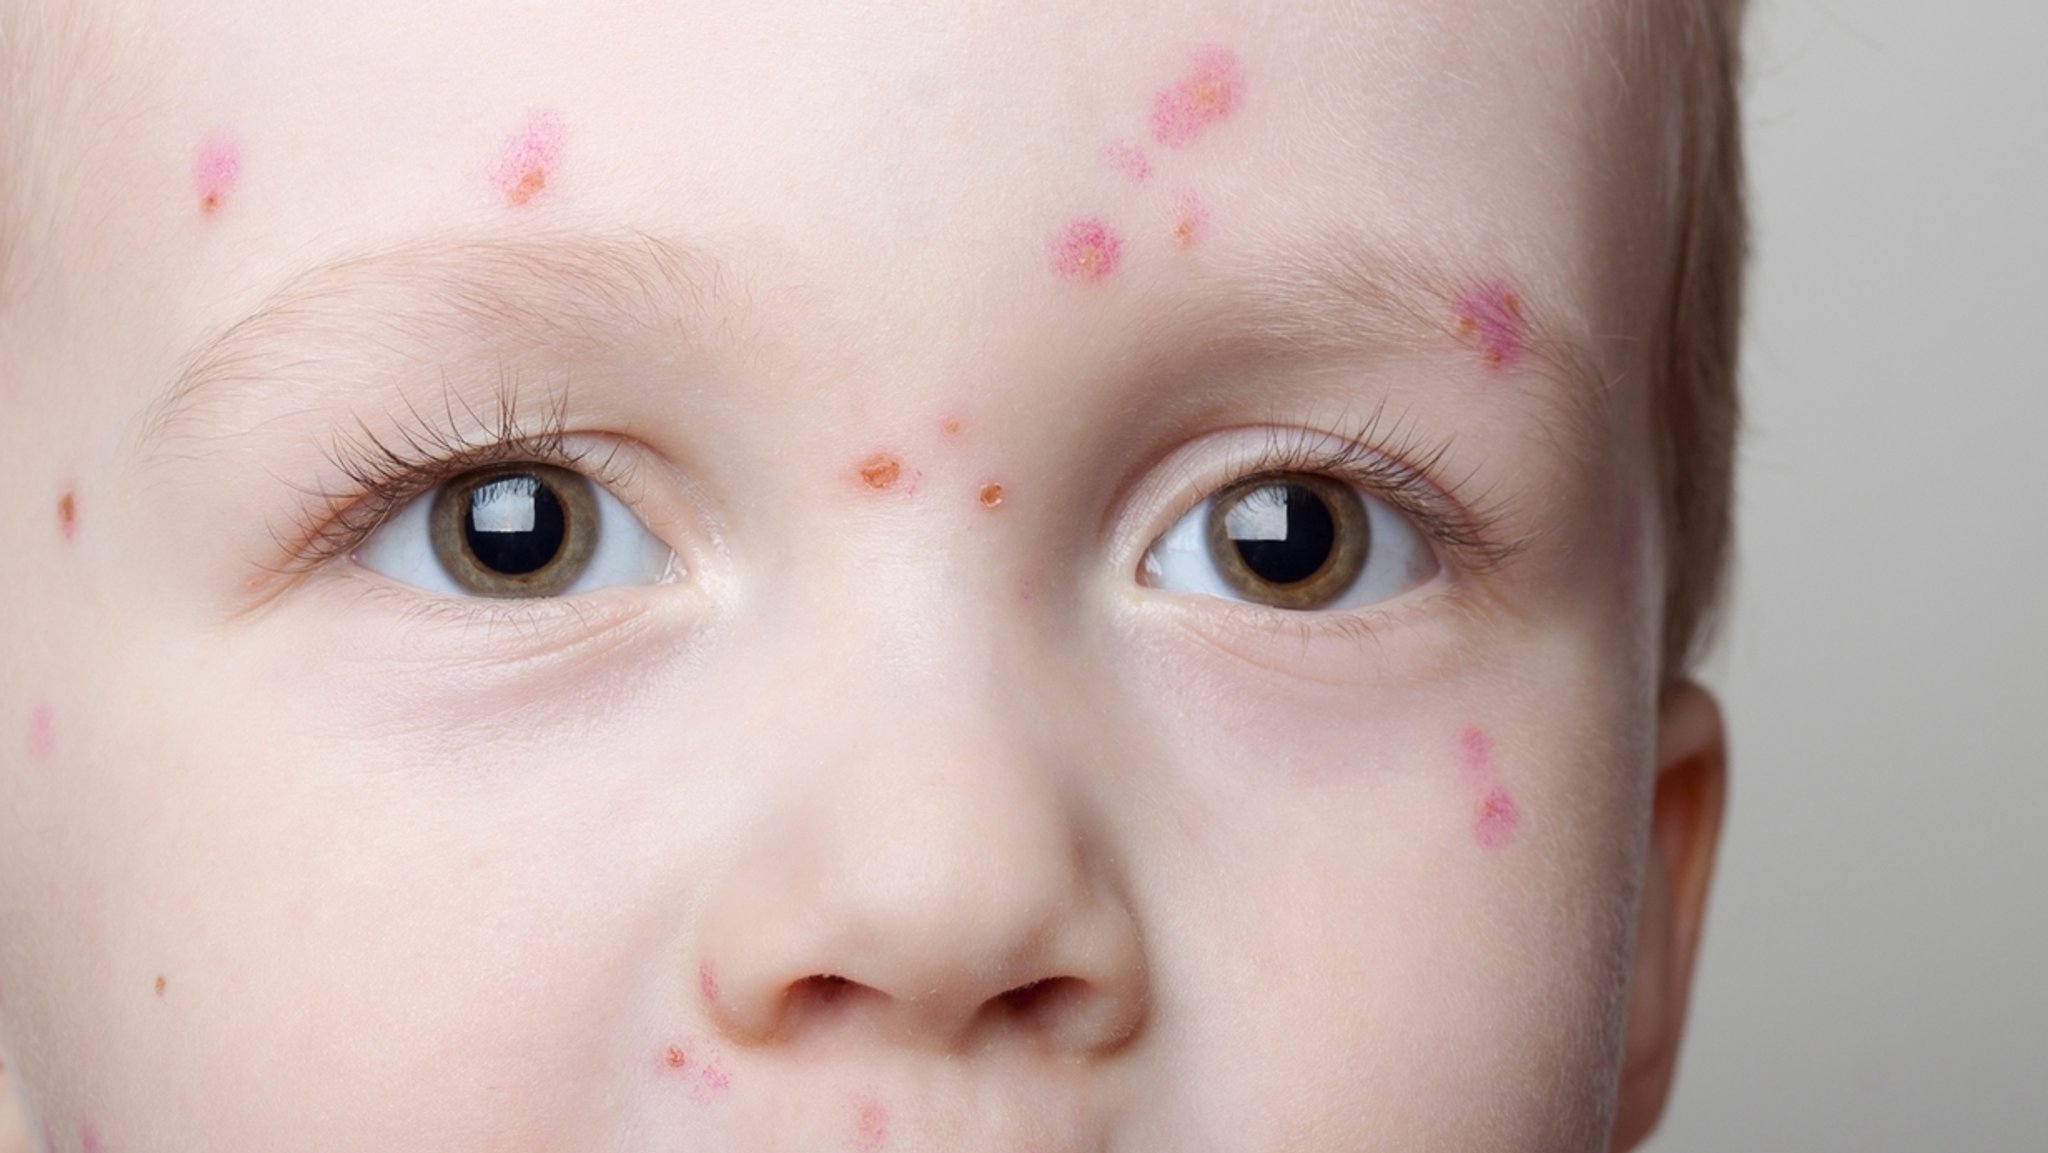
(304, 856)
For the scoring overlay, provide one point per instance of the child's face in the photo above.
(941, 745)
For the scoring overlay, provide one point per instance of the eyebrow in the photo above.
(570, 292)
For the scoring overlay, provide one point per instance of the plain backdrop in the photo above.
(1875, 973)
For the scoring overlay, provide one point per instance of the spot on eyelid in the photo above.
(1124, 156)
(216, 170)
(1086, 250)
(1491, 316)
(1209, 91)
(521, 170)
(1494, 824)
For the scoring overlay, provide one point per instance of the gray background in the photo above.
(1875, 974)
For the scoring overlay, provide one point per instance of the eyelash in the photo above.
(387, 472)
(1373, 457)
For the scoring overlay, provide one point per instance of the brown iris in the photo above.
(522, 530)
(1289, 540)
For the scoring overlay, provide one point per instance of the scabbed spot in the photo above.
(884, 472)
(1208, 92)
(1086, 250)
(1190, 218)
(523, 164)
(1491, 317)
(991, 496)
(67, 515)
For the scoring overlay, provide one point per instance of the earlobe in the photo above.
(1685, 826)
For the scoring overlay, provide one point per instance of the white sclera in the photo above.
(402, 548)
(1399, 558)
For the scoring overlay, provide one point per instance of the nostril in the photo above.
(1040, 997)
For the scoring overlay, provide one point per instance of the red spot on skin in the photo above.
(871, 1125)
(991, 496)
(712, 1083)
(521, 170)
(1491, 316)
(42, 732)
(1209, 91)
(1190, 217)
(216, 170)
(675, 1058)
(1494, 824)
(1475, 752)
(88, 1138)
(1126, 157)
(67, 515)
(950, 427)
(1086, 250)
(707, 982)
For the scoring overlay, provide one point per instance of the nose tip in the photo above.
(967, 918)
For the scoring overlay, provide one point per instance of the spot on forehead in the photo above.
(1211, 88)
(216, 170)
(42, 732)
(526, 159)
(1490, 316)
(1086, 250)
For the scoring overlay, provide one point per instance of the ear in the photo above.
(1685, 825)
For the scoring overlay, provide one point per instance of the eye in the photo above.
(1296, 541)
(516, 530)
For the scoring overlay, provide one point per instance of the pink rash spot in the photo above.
(1190, 217)
(871, 1125)
(216, 169)
(1492, 316)
(1121, 155)
(1209, 91)
(522, 167)
(1086, 250)
(1475, 752)
(707, 982)
(1494, 825)
(88, 1138)
(42, 732)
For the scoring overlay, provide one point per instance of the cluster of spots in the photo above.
(42, 732)
(1209, 91)
(1491, 316)
(216, 169)
(870, 1125)
(1086, 250)
(1125, 156)
(701, 1077)
(67, 514)
(1495, 816)
(521, 170)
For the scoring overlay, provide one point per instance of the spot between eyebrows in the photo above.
(566, 289)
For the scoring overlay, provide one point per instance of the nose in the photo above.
(933, 883)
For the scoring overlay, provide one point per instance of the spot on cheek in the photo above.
(991, 496)
(42, 732)
(1491, 317)
(675, 1058)
(883, 472)
(523, 164)
(1209, 91)
(67, 515)
(1086, 250)
(1494, 823)
(871, 1125)
(1123, 156)
(216, 170)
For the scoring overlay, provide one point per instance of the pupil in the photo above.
(515, 525)
(1289, 533)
